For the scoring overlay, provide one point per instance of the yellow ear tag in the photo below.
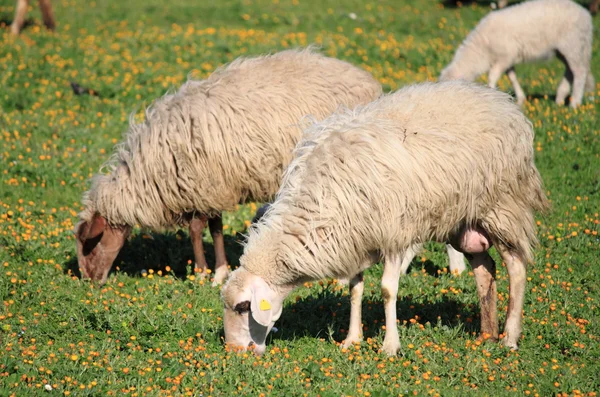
(264, 305)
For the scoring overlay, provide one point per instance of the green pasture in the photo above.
(159, 332)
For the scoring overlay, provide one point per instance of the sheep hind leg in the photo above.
(21, 11)
(47, 14)
(564, 87)
(579, 79)
(512, 76)
(517, 274)
(197, 226)
(484, 269)
(389, 291)
(456, 260)
(355, 334)
(221, 266)
(494, 74)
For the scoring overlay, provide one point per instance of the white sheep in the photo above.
(372, 182)
(211, 145)
(533, 30)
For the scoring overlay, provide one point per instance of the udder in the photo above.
(471, 240)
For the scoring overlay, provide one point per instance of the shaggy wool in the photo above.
(221, 141)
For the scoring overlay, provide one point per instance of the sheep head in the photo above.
(251, 308)
(98, 244)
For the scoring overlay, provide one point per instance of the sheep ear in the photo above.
(96, 227)
(263, 306)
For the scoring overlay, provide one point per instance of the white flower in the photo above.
(352, 15)
(48, 387)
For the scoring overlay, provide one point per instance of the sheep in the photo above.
(209, 146)
(21, 10)
(594, 7)
(529, 31)
(456, 260)
(372, 182)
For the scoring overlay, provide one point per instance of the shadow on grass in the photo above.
(155, 252)
(326, 315)
(464, 3)
(6, 20)
(546, 97)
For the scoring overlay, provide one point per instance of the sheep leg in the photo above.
(20, 12)
(408, 257)
(389, 291)
(456, 260)
(512, 76)
(594, 7)
(517, 274)
(221, 267)
(197, 226)
(494, 75)
(47, 14)
(357, 287)
(564, 87)
(484, 269)
(579, 79)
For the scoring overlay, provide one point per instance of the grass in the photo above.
(159, 332)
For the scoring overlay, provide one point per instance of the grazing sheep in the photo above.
(373, 182)
(21, 10)
(526, 32)
(211, 145)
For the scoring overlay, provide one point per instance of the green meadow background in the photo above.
(159, 332)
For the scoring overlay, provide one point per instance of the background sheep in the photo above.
(211, 145)
(407, 168)
(526, 32)
(21, 11)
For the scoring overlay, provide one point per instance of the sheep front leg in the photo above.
(512, 76)
(357, 287)
(517, 274)
(21, 11)
(221, 266)
(408, 257)
(389, 291)
(197, 226)
(484, 269)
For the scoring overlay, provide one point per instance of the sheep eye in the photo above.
(242, 307)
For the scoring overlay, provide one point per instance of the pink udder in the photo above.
(474, 241)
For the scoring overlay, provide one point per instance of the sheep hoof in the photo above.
(510, 344)
(200, 273)
(220, 275)
(349, 341)
(343, 281)
(391, 348)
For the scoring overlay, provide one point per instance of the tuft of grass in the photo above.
(154, 329)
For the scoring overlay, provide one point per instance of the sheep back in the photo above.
(411, 167)
(224, 140)
(533, 30)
